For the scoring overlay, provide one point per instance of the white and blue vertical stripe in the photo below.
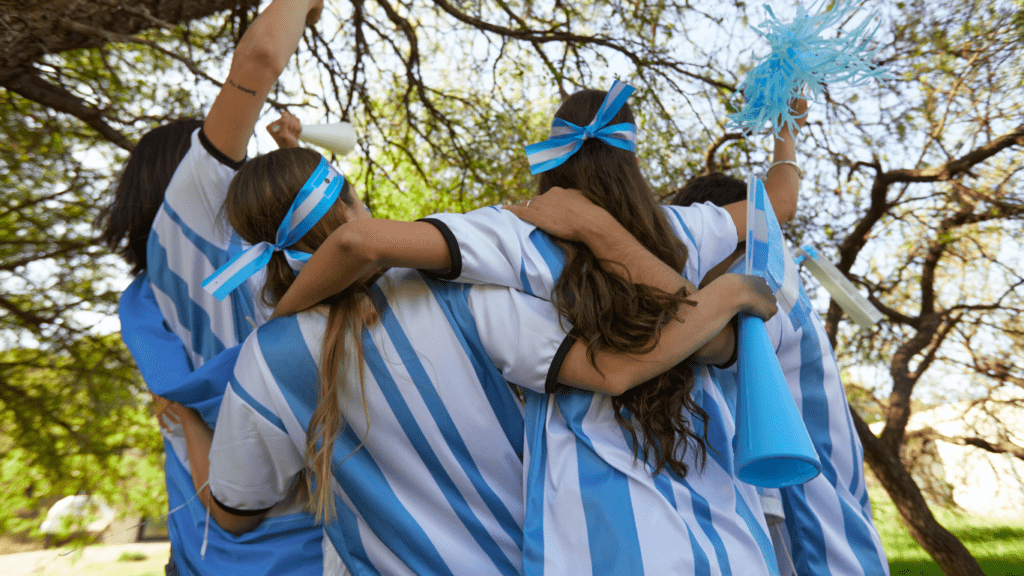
(828, 519)
(188, 241)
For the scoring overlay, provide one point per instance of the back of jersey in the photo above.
(190, 239)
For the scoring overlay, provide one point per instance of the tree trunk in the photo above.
(952, 556)
(30, 29)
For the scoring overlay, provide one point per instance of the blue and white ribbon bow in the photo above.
(566, 138)
(315, 198)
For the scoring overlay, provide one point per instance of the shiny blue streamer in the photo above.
(567, 138)
(800, 58)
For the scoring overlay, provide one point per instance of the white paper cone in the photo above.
(338, 137)
(842, 290)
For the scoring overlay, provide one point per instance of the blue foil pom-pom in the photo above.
(801, 61)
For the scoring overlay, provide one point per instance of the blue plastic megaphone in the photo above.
(773, 448)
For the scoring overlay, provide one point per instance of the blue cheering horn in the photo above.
(773, 448)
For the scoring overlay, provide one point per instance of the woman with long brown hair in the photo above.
(678, 508)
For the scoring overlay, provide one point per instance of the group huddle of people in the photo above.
(546, 388)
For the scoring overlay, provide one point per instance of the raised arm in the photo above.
(782, 182)
(259, 59)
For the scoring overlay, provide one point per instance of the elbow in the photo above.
(786, 211)
(617, 384)
(258, 59)
(354, 243)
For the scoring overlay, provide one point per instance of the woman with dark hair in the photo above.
(392, 395)
(167, 211)
(825, 525)
(125, 222)
(634, 469)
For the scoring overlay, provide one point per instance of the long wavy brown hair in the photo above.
(608, 312)
(258, 200)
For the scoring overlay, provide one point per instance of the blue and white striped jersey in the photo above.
(428, 462)
(590, 507)
(189, 240)
(829, 526)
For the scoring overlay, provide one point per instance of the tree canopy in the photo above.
(912, 185)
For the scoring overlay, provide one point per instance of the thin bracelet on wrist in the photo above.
(799, 172)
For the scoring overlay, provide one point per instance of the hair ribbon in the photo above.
(314, 200)
(566, 138)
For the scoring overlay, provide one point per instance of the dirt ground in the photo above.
(137, 559)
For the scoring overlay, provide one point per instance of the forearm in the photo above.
(272, 38)
(693, 328)
(782, 183)
(624, 255)
(199, 439)
(359, 248)
(719, 349)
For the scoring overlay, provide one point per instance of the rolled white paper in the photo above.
(842, 290)
(338, 137)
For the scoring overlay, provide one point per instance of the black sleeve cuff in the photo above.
(220, 156)
(236, 511)
(453, 250)
(551, 382)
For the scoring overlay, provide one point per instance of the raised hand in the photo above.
(285, 130)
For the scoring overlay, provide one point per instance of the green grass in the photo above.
(997, 545)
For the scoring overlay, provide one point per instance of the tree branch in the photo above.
(33, 87)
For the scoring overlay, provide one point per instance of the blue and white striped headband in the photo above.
(566, 138)
(315, 198)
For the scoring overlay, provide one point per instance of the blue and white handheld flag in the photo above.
(314, 199)
(767, 254)
(566, 138)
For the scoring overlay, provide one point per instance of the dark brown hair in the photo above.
(718, 188)
(258, 200)
(125, 223)
(608, 312)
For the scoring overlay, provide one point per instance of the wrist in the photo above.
(595, 226)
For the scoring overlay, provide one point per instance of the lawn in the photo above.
(997, 545)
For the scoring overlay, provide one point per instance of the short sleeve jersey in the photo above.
(189, 241)
(583, 487)
(428, 461)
